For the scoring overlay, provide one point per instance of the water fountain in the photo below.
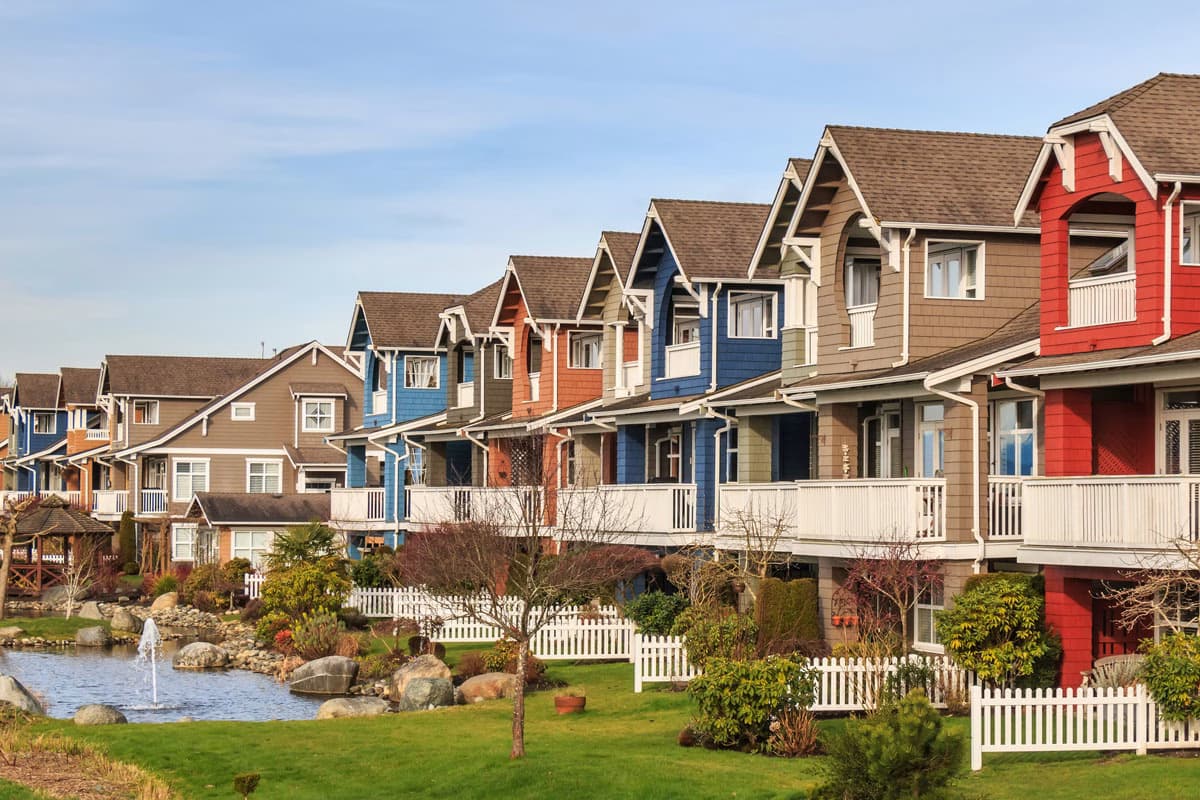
(149, 647)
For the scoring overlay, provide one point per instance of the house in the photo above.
(7, 478)
(87, 432)
(244, 525)
(39, 433)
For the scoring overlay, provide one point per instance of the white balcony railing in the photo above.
(1124, 511)
(357, 505)
(72, 496)
(535, 387)
(120, 433)
(862, 325)
(810, 344)
(1100, 301)
(509, 505)
(846, 510)
(154, 501)
(109, 502)
(379, 403)
(631, 374)
(13, 497)
(466, 394)
(682, 360)
(1004, 506)
(97, 435)
(630, 508)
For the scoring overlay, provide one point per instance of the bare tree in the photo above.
(1163, 592)
(80, 569)
(10, 517)
(883, 583)
(754, 534)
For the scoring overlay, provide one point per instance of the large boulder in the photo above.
(201, 655)
(11, 632)
(90, 610)
(99, 714)
(352, 707)
(122, 620)
(421, 694)
(13, 692)
(488, 686)
(94, 636)
(327, 676)
(165, 601)
(426, 666)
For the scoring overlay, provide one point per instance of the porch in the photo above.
(509, 505)
(663, 510)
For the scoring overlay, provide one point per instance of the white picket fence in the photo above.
(660, 659)
(1045, 720)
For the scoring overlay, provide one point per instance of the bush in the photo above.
(715, 633)
(305, 544)
(208, 602)
(234, 572)
(794, 733)
(209, 581)
(131, 568)
(1171, 672)
(316, 636)
(368, 572)
(164, 584)
(787, 616)
(471, 664)
(284, 643)
(655, 612)
(271, 624)
(350, 645)
(900, 752)
(738, 700)
(912, 673)
(379, 666)
(353, 618)
(127, 541)
(503, 658)
(252, 612)
(315, 588)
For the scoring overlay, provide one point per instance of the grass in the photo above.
(56, 628)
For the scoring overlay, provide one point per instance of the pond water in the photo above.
(69, 679)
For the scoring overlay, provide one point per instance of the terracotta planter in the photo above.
(569, 705)
(837, 622)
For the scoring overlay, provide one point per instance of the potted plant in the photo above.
(571, 702)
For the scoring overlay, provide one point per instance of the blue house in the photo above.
(39, 432)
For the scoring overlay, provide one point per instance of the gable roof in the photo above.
(480, 307)
(404, 320)
(1159, 118)
(937, 177)
(36, 390)
(617, 248)
(710, 239)
(179, 376)
(79, 385)
(54, 517)
(259, 509)
(551, 285)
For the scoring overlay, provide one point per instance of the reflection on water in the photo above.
(67, 680)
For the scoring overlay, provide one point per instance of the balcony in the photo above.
(682, 360)
(509, 505)
(658, 509)
(379, 402)
(862, 325)
(845, 511)
(1005, 496)
(631, 374)
(97, 435)
(1101, 301)
(13, 497)
(358, 508)
(465, 394)
(109, 504)
(154, 501)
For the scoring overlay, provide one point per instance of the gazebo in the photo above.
(46, 538)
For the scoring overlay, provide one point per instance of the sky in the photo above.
(221, 178)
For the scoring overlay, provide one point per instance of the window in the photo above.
(882, 455)
(667, 456)
(862, 281)
(183, 542)
(731, 456)
(931, 439)
(1189, 234)
(931, 601)
(380, 382)
(1101, 253)
(421, 372)
(1014, 435)
(533, 353)
(953, 270)
(45, 422)
(145, 412)
(416, 467)
(585, 350)
(752, 315)
(190, 477)
(252, 545)
(318, 416)
(264, 477)
(503, 362)
(242, 412)
(570, 476)
(320, 485)
(685, 323)
(1178, 611)
(1181, 432)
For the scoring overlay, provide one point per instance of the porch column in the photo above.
(838, 440)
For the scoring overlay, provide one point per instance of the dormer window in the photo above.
(533, 353)
(503, 362)
(584, 350)
(45, 422)
(381, 376)
(862, 280)
(752, 315)
(954, 270)
(685, 323)
(318, 416)
(421, 372)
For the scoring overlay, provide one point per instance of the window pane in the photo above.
(1007, 416)
(1172, 447)
(933, 412)
(1025, 414)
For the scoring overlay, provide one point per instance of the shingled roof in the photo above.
(621, 246)
(180, 376)
(552, 285)
(36, 390)
(712, 239)
(79, 385)
(54, 517)
(938, 176)
(405, 320)
(260, 509)
(1159, 118)
(480, 307)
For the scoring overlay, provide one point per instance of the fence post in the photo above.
(976, 728)
(636, 650)
(1142, 728)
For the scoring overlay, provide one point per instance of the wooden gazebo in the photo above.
(46, 538)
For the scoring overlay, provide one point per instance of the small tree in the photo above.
(81, 569)
(10, 517)
(883, 584)
(1164, 591)
(757, 534)
(127, 539)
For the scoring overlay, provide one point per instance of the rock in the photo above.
(13, 692)
(122, 620)
(186, 719)
(55, 595)
(90, 610)
(201, 655)
(11, 632)
(420, 667)
(165, 601)
(488, 686)
(98, 714)
(329, 675)
(94, 636)
(421, 694)
(352, 707)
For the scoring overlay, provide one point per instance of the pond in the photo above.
(66, 680)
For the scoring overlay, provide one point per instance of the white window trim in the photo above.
(932, 609)
(234, 408)
(437, 373)
(133, 412)
(1183, 215)
(770, 321)
(690, 312)
(980, 261)
(252, 461)
(235, 551)
(304, 426)
(1129, 234)
(575, 336)
(994, 434)
(922, 427)
(53, 423)
(501, 357)
(175, 462)
(176, 529)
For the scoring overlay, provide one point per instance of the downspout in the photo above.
(711, 412)
(563, 438)
(395, 388)
(408, 443)
(482, 445)
(907, 248)
(554, 356)
(975, 509)
(482, 377)
(788, 401)
(1038, 393)
(712, 384)
(1166, 320)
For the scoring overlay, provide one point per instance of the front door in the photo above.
(882, 455)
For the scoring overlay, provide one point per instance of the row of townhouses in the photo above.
(987, 345)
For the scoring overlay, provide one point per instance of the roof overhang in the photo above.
(409, 426)
(790, 180)
(1116, 363)
(652, 220)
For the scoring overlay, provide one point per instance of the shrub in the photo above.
(206, 579)
(715, 633)
(787, 616)
(368, 572)
(107, 580)
(164, 584)
(131, 568)
(503, 658)
(379, 666)
(271, 624)
(912, 673)
(353, 618)
(794, 733)
(1171, 671)
(350, 645)
(738, 700)
(208, 602)
(471, 664)
(314, 588)
(253, 611)
(234, 572)
(655, 612)
(316, 635)
(305, 544)
(127, 541)
(901, 752)
(284, 643)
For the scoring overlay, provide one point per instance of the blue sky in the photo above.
(182, 177)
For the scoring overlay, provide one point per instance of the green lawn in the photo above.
(624, 746)
(52, 627)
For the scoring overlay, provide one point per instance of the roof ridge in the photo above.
(709, 202)
(936, 132)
